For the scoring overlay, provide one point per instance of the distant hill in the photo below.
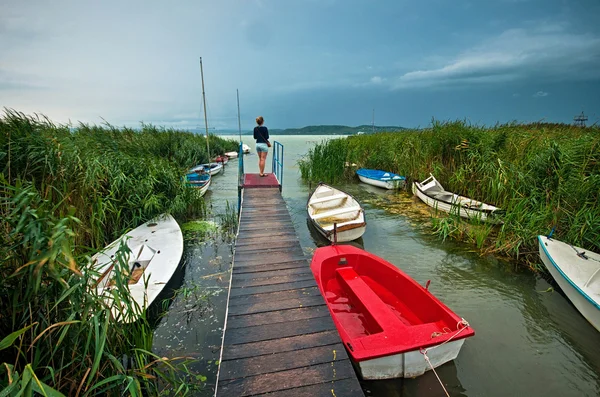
(334, 130)
(313, 130)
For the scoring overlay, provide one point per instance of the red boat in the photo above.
(391, 326)
(222, 159)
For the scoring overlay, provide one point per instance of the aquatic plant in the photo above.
(542, 175)
(64, 193)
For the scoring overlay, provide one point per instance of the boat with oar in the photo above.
(391, 326)
(232, 155)
(138, 264)
(335, 214)
(384, 179)
(432, 193)
(577, 273)
(199, 180)
(211, 168)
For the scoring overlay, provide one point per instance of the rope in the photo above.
(424, 353)
(460, 326)
(582, 254)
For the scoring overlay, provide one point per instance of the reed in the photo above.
(66, 192)
(543, 175)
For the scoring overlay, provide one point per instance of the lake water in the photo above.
(529, 340)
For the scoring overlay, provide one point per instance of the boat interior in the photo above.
(328, 206)
(379, 306)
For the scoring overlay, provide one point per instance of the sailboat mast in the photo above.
(204, 103)
(239, 121)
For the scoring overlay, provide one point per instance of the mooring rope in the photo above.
(465, 324)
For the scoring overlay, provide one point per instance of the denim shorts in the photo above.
(262, 147)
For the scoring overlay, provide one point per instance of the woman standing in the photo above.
(261, 134)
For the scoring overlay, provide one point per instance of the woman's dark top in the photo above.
(261, 134)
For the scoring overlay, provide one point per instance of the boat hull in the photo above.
(157, 246)
(452, 206)
(379, 178)
(584, 302)
(232, 155)
(336, 215)
(391, 326)
(410, 364)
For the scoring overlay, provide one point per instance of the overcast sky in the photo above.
(301, 62)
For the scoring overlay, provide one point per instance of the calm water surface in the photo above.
(528, 342)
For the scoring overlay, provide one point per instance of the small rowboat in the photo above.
(384, 179)
(245, 148)
(212, 168)
(330, 208)
(232, 155)
(577, 273)
(432, 193)
(391, 326)
(199, 180)
(222, 159)
(154, 251)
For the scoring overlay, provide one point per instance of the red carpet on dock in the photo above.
(255, 180)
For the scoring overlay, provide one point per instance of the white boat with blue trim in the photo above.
(379, 178)
(577, 273)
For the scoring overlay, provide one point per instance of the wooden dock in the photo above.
(279, 338)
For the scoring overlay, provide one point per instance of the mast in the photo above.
(204, 103)
(239, 121)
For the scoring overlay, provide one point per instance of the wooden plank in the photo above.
(339, 388)
(273, 245)
(271, 296)
(268, 256)
(285, 380)
(271, 288)
(256, 268)
(238, 277)
(306, 301)
(242, 260)
(276, 317)
(265, 332)
(245, 283)
(239, 368)
(293, 343)
(266, 240)
(259, 232)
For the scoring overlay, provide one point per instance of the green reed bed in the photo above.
(64, 194)
(543, 175)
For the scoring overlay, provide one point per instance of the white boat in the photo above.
(432, 193)
(154, 252)
(245, 148)
(328, 206)
(199, 181)
(231, 155)
(211, 168)
(384, 179)
(577, 273)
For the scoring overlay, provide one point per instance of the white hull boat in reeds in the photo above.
(384, 179)
(330, 208)
(432, 193)
(212, 168)
(232, 155)
(151, 256)
(577, 273)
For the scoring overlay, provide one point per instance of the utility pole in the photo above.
(580, 120)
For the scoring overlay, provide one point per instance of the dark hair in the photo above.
(260, 120)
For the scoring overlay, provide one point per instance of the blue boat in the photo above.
(200, 181)
(384, 179)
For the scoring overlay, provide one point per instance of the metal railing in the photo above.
(240, 175)
(277, 165)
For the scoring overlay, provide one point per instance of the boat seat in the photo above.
(338, 211)
(328, 198)
(381, 312)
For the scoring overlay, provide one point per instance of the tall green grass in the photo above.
(64, 194)
(543, 175)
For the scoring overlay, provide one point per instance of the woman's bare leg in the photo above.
(262, 159)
